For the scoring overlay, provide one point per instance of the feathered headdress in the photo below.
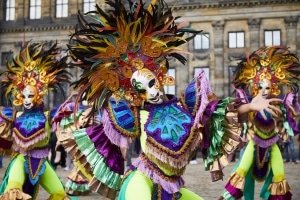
(276, 64)
(110, 45)
(37, 65)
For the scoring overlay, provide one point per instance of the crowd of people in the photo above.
(118, 108)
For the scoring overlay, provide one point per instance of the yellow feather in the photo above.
(134, 36)
(153, 2)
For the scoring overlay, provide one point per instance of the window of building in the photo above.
(171, 89)
(61, 8)
(6, 56)
(201, 41)
(89, 5)
(272, 37)
(205, 69)
(10, 10)
(35, 9)
(236, 39)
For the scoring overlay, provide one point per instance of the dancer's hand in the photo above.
(261, 104)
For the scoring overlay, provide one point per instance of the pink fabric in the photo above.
(235, 192)
(204, 90)
(25, 144)
(170, 187)
(113, 135)
(287, 196)
(2, 120)
(240, 94)
(264, 143)
(35, 153)
(64, 110)
(291, 100)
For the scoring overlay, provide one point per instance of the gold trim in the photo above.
(182, 150)
(38, 169)
(279, 188)
(6, 118)
(166, 166)
(196, 106)
(18, 134)
(237, 181)
(123, 131)
(158, 171)
(261, 163)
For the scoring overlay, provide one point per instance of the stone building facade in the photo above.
(231, 30)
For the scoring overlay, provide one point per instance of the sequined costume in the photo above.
(269, 69)
(28, 77)
(124, 54)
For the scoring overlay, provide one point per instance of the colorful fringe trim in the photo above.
(97, 162)
(171, 184)
(224, 134)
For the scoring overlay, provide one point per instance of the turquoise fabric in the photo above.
(265, 193)
(41, 171)
(170, 121)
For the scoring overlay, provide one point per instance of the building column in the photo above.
(218, 69)
(291, 32)
(254, 27)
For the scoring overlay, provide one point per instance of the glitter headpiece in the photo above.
(110, 45)
(37, 65)
(276, 64)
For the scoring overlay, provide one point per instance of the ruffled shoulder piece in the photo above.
(197, 95)
(7, 114)
(222, 135)
(190, 98)
(123, 118)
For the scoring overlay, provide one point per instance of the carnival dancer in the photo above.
(268, 72)
(124, 54)
(77, 182)
(31, 74)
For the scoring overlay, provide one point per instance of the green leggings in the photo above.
(276, 162)
(49, 180)
(137, 186)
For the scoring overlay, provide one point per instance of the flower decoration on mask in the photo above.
(274, 64)
(111, 45)
(36, 66)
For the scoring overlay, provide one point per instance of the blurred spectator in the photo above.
(193, 160)
(57, 153)
(289, 148)
(68, 162)
(1, 161)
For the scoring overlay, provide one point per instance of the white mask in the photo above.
(147, 85)
(29, 95)
(265, 87)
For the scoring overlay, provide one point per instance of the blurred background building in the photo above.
(231, 30)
